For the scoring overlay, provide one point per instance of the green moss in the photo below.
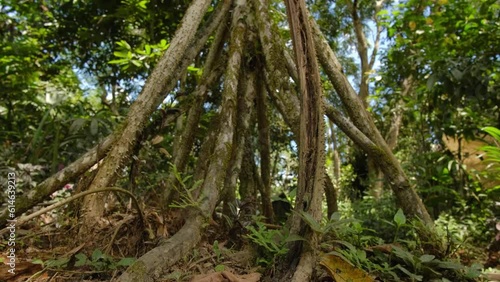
(138, 269)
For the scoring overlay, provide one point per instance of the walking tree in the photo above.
(248, 59)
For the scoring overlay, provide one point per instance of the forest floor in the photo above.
(46, 250)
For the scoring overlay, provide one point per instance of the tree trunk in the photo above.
(184, 141)
(155, 262)
(331, 196)
(265, 151)
(363, 124)
(392, 134)
(311, 145)
(248, 190)
(279, 88)
(247, 93)
(277, 78)
(163, 78)
(362, 46)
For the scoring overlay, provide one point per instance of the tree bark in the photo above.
(265, 151)
(331, 196)
(332, 185)
(392, 134)
(247, 93)
(248, 190)
(362, 47)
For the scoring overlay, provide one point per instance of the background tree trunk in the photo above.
(362, 127)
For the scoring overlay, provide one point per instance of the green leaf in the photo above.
(77, 125)
(431, 81)
(457, 74)
(311, 221)
(121, 54)
(399, 218)
(403, 254)
(216, 248)
(96, 255)
(382, 13)
(124, 44)
(450, 265)
(347, 244)
(126, 261)
(361, 254)
(81, 259)
(474, 271)
(493, 131)
(142, 4)
(57, 263)
(35, 261)
(335, 216)
(426, 258)
(136, 63)
(193, 69)
(411, 275)
(470, 25)
(119, 62)
(220, 268)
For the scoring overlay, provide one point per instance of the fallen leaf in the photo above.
(343, 271)
(157, 139)
(226, 276)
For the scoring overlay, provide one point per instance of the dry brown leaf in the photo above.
(384, 248)
(23, 269)
(226, 276)
(343, 271)
(165, 152)
(157, 139)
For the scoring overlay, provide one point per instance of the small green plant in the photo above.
(399, 260)
(271, 243)
(98, 261)
(218, 253)
(185, 193)
(351, 228)
(400, 220)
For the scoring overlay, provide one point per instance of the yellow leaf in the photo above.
(428, 21)
(443, 2)
(343, 271)
(412, 25)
